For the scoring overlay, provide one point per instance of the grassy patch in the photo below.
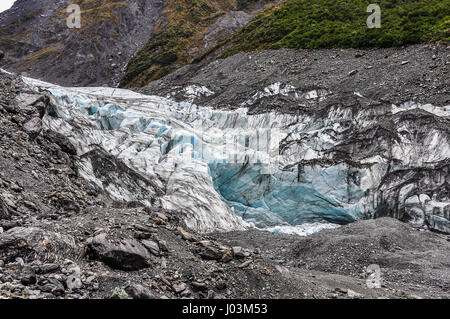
(312, 24)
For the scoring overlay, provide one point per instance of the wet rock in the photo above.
(136, 291)
(124, 254)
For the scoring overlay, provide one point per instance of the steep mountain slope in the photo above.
(35, 37)
(188, 30)
(136, 42)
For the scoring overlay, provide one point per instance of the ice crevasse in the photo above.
(227, 170)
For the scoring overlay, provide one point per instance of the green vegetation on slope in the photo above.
(178, 40)
(301, 24)
(311, 24)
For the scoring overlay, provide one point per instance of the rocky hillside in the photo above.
(36, 40)
(132, 41)
(188, 30)
(63, 237)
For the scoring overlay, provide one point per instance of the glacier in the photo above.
(228, 170)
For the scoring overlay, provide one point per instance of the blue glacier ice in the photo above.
(228, 170)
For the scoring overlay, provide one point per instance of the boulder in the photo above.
(33, 126)
(152, 246)
(123, 254)
(28, 276)
(35, 243)
(211, 253)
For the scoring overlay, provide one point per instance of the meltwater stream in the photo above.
(226, 170)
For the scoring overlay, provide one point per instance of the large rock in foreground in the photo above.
(124, 254)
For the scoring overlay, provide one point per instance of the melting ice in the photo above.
(225, 170)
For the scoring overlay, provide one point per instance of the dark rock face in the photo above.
(28, 243)
(111, 34)
(118, 31)
(126, 254)
(112, 171)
